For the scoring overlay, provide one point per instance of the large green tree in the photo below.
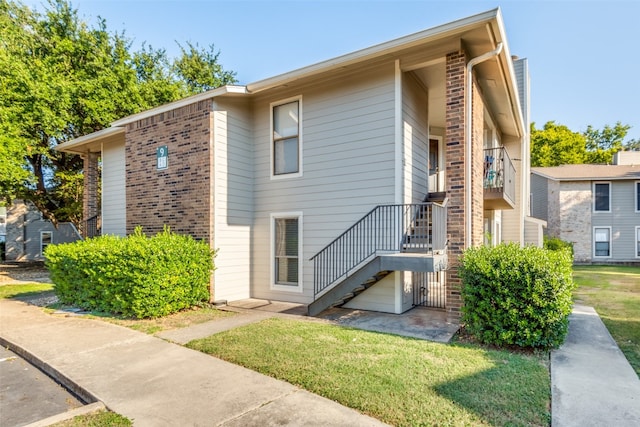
(556, 144)
(62, 78)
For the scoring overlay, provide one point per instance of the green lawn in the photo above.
(96, 419)
(398, 380)
(24, 290)
(614, 291)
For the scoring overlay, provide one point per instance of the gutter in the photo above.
(468, 128)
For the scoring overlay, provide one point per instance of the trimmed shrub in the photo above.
(557, 244)
(517, 295)
(134, 276)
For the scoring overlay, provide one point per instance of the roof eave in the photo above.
(80, 145)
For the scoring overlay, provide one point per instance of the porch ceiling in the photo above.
(93, 142)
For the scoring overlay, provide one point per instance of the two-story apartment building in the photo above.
(595, 207)
(358, 180)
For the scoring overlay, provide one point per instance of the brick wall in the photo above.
(455, 166)
(454, 172)
(179, 196)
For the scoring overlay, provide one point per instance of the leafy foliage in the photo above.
(556, 144)
(517, 296)
(62, 78)
(557, 244)
(135, 276)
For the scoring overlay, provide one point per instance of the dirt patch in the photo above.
(21, 272)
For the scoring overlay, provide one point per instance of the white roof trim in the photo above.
(585, 178)
(375, 51)
(85, 139)
(181, 103)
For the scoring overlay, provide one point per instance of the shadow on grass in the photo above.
(523, 398)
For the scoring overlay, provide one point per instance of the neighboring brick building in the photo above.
(274, 172)
(595, 207)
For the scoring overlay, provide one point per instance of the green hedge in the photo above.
(136, 276)
(516, 295)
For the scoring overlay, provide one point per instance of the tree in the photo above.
(603, 144)
(61, 79)
(556, 145)
(632, 145)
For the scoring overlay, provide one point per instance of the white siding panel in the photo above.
(380, 297)
(513, 219)
(114, 205)
(233, 200)
(347, 162)
(415, 148)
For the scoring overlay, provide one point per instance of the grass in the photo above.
(26, 290)
(398, 380)
(96, 419)
(181, 319)
(614, 291)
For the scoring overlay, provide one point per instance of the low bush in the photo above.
(516, 295)
(557, 244)
(136, 276)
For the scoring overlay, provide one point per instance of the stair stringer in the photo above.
(346, 286)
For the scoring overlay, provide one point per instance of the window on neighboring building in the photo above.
(46, 238)
(638, 242)
(286, 250)
(602, 242)
(637, 196)
(601, 197)
(286, 138)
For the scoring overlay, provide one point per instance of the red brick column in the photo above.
(90, 202)
(454, 173)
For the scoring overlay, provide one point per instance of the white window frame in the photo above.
(636, 249)
(610, 243)
(636, 187)
(594, 196)
(272, 173)
(42, 233)
(286, 215)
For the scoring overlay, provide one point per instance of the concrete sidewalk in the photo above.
(157, 383)
(592, 383)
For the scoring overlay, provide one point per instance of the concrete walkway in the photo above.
(592, 383)
(157, 383)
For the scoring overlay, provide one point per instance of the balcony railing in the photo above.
(419, 227)
(499, 178)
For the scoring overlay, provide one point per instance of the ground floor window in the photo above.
(602, 242)
(287, 242)
(46, 238)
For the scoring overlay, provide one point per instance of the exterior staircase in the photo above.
(389, 238)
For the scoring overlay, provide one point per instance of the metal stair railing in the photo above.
(386, 228)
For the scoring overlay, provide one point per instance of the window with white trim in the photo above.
(286, 138)
(637, 196)
(638, 242)
(602, 242)
(46, 238)
(286, 232)
(602, 196)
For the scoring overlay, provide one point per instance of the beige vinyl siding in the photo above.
(233, 199)
(380, 297)
(347, 139)
(414, 139)
(623, 219)
(114, 202)
(513, 219)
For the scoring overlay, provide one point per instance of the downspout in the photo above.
(468, 133)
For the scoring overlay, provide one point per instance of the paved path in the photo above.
(592, 383)
(157, 383)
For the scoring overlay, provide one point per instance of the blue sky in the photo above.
(584, 56)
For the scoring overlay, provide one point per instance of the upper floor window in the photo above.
(286, 138)
(637, 196)
(602, 197)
